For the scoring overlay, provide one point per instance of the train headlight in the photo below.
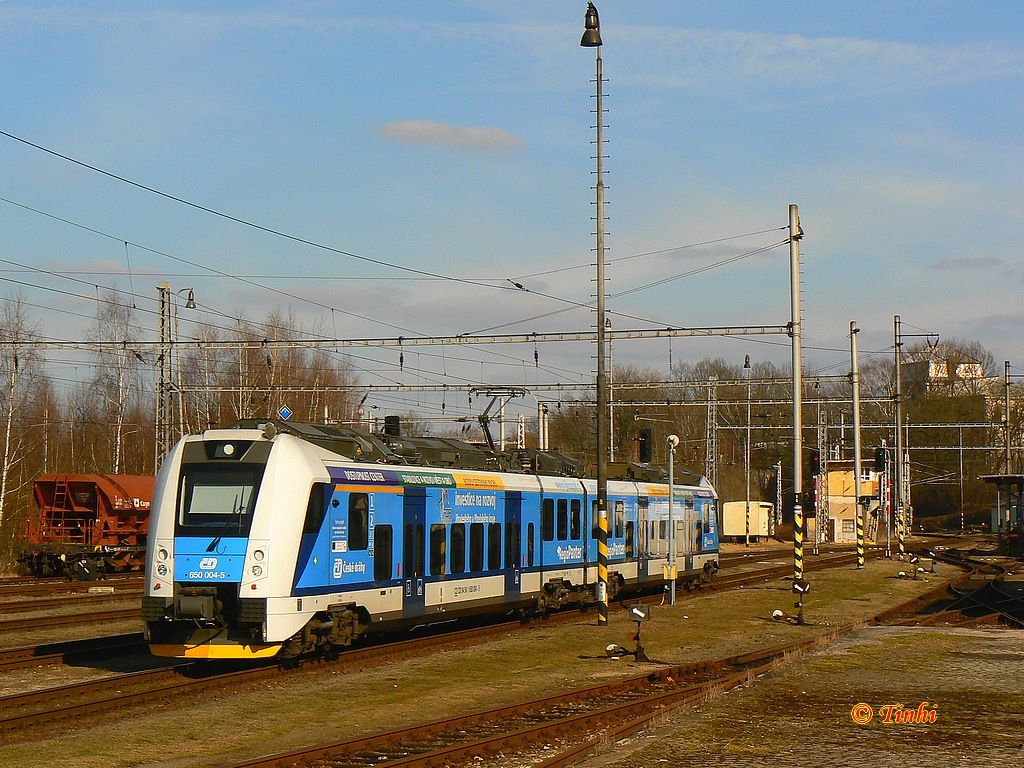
(161, 569)
(162, 554)
(257, 570)
(258, 555)
(229, 449)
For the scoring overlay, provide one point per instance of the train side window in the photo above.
(316, 508)
(629, 539)
(493, 546)
(457, 547)
(513, 549)
(575, 519)
(476, 547)
(437, 547)
(418, 551)
(595, 521)
(663, 533)
(548, 520)
(382, 554)
(529, 546)
(620, 518)
(358, 521)
(563, 519)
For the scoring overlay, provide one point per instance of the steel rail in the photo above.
(55, 703)
(8, 625)
(72, 650)
(40, 604)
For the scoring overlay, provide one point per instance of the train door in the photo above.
(643, 533)
(413, 549)
(617, 529)
(513, 543)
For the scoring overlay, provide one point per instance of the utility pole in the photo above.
(164, 406)
(960, 442)
(611, 395)
(778, 496)
(592, 39)
(795, 233)
(746, 455)
(821, 485)
(711, 434)
(860, 509)
(897, 479)
(1006, 416)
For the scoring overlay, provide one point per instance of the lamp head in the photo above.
(591, 28)
(190, 302)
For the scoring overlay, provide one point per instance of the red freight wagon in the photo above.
(88, 525)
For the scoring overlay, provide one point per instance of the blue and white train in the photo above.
(264, 544)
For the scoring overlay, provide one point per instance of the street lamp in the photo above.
(592, 39)
(673, 441)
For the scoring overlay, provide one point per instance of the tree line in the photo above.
(969, 391)
(104, 421)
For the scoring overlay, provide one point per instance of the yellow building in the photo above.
(837, 485)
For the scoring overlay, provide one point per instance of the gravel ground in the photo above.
(318, 706)
(801, 716)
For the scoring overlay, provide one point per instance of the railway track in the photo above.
(981, 597)
(553, 731)
(40, 604)
(123, 614)
(28, 586)
(71, 652)
(19, 713)
(621, 707)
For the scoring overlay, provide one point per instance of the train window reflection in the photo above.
(217, 497)
(358, 522)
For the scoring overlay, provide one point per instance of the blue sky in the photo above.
(454, 137)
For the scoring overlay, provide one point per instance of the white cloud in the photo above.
(971, 263)
(488, 138)
(689, 58)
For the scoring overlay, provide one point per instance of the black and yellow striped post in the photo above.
(602, 564)
(901, 549)
(860, 533)
(798, 540)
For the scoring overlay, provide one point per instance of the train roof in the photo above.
(442, 452)
(449, 453)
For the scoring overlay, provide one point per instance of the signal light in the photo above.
(645, 445)
(880, 459)
(815, 461)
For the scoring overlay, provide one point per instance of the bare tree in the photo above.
(117, 376)
(18, 377)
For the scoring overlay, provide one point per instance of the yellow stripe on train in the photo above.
(215, 651)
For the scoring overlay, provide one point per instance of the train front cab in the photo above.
(194, 607)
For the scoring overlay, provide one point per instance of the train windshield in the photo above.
(217, 499)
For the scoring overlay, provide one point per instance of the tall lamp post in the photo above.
(673, 441)
(592, 39)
